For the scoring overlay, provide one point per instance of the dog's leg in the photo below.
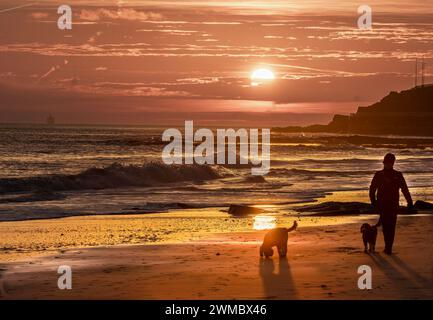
(270, 253)
(279, 249)
(282, 251)
(365, 246)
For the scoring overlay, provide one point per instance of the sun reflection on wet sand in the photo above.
(264, 222)
(23, 239)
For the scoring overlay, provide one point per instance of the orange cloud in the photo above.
(119, 14)
(39, 15)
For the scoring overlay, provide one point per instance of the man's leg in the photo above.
(388, 227)
(385, 230)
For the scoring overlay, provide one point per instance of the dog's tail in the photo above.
(293, 228)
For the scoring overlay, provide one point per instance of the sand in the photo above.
(30, 238)
(322, 263)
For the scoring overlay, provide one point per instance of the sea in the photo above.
(60, 171)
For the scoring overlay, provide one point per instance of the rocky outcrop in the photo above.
(243, 210)
(408, 112)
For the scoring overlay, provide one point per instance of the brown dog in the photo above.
(369, 236)
(276, 237)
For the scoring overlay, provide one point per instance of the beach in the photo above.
(154, 150)
(322, 263)
(130, 227)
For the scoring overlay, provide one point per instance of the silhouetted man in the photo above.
(388, 183)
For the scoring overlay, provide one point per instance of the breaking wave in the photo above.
(115, 176)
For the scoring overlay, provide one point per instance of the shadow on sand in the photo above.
(277, 284)
(421, 280)
(403, 277)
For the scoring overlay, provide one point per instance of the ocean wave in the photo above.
(39, 195)
(155, 207)
(306, 147)
(355, 161)
(278, 172)
(338, 161)
(115, 176)
(132, 141)
(255, 179)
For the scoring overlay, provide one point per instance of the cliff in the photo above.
(408, 112)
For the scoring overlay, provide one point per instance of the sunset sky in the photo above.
(163, 62)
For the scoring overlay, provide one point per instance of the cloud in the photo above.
(141, 49)
(46, 74)
(119, 14)
(135, 89)
(93, 38)
(69, 81)
(176, 32)
(51, 70)
(16, 8)
(39, 15)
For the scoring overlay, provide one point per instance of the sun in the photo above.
(260, 76)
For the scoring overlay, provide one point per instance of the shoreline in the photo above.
(41, 237)
(321, 264)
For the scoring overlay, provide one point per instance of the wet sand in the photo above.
(31, 238)
(322, 263)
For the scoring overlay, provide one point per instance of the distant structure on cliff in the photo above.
(409, 112)
(423, 64)
(50, 120)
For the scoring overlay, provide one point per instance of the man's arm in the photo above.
(406, 192)
(373, 189)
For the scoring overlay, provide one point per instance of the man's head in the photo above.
(388, 161)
